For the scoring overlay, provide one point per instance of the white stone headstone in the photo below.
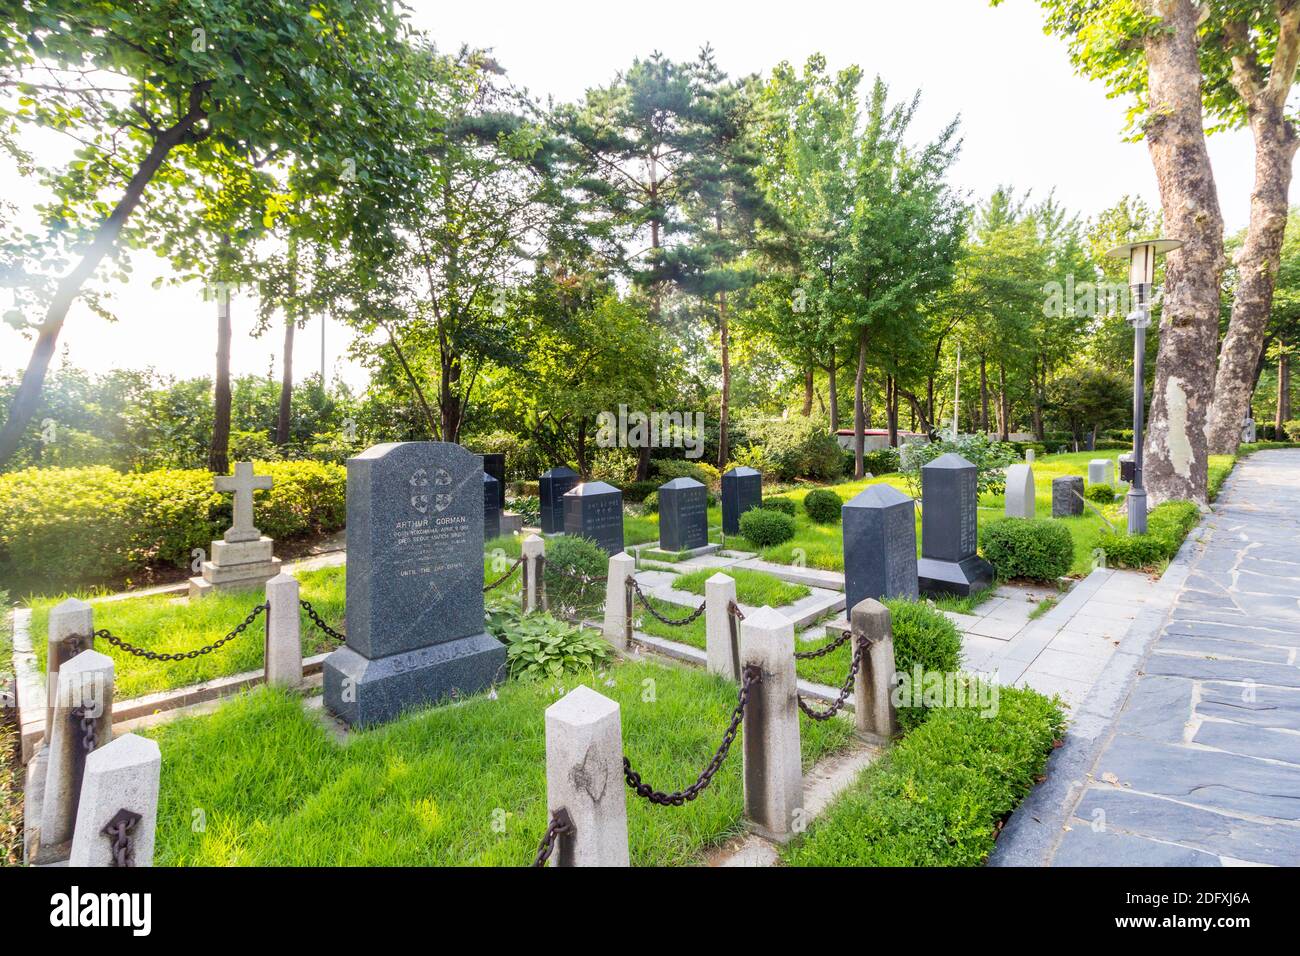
(1020, 492)
(1101, 471)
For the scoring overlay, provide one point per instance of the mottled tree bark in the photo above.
(1175, 457)
(1283, 394)
(1276, 142)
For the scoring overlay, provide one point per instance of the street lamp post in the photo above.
(1141, 257)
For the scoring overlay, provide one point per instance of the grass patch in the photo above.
(937, 797)
(755, 588)
(11, 812)
(1043, 606)
(459, 785)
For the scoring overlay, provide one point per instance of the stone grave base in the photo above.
(363, 692)
(953, 577)
(236, 565)
(653, 551)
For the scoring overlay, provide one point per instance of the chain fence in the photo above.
(635, 586)
(149, 655)
(121, 833)
(561, 825)
(314, 616)
(858, 652)
(505, 577)
(823, 651)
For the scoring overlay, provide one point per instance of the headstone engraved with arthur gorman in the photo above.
(415, 631)
(950, 529)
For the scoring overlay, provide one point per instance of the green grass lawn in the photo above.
(458, 785)
(756, 588)
(11, 810)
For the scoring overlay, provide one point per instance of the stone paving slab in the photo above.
(1187, 751)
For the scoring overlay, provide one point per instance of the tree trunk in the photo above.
(581, 448)
(1174, 463)
(833, 394)
(891, 409)
(218, 451)
(1258, 263)
(1283, 396)
(723, 416)
(984, 395)
(643, 462)
(808, 391)
(286, 387)
(26, 399)
(1004, 405)
(859, 407)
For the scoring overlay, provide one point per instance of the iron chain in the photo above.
(320, 621)
(752, 675)
(120, 830)
(681, 622)
(502, 580)
(561, 823)
(149, 655)
(823, 651)
(844, 691)
(87, 724)
(734, 610)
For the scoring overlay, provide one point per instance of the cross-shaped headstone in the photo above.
(243, 483)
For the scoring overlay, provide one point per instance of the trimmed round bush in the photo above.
(923, 638)
(1167, 526)
(783, 505)
(1101, 494)
(765, 527)
(651, 503)
(823, 506)
(1039, 549)
(569, 555)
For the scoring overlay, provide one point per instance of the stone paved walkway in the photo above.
(1200, 762)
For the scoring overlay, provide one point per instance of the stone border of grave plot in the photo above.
(30, 687)
(1037, 825)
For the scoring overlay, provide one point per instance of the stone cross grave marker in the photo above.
(415, 632)
(244, 556)
(594, 510)
(243, 483)
(950, 529)
(742, 489)
(551, 489)
(683, 515)
(879, 545)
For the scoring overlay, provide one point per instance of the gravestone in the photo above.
(1030, 455)
(742, 489)
(595, 510)
(551, 489)
(683, 515)
(495, 465)
(1127, 467)
(1248, 430)
(1067, 496)
(879, 545)
(1101, 471)
(414, 584)
(950, 529)
(491, 507)
(1020, 492)
(243, 557)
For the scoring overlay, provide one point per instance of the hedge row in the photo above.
(1167, 526)
(65, 527)
(936, 798)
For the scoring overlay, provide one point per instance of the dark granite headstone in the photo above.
(595, 510)
(1067, 496)
(950, 529)
(414, 584)
(551, 489)
(879, 546)
(683, 515)
(491, 507)
(495, 465)
(742, 489)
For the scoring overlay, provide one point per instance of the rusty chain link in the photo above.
(502, 580)
(561, 823)
(87, 724)
(645, 602)
(319, 621)
(734, 610)
(823, 651)
(149, 655)
(844, 691)
(120, 830)
(752, 675)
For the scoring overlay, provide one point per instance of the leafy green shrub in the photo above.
(669, 468)
(1167, 526)
(651, 503)
(881, 461)
(568, 559)
(1107, 444)
(70, 526)
(937, 796)
(529, 507)
(924, 638)
(800, 447)
(524, 457)
(1101, 494)
(539, 645)
(638, 490)
(783, 505)
(989, 457)
(1292, 429)
(765, 527)
(823, 505)
(1038, 549)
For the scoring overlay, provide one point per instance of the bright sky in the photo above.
(1027, 121)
